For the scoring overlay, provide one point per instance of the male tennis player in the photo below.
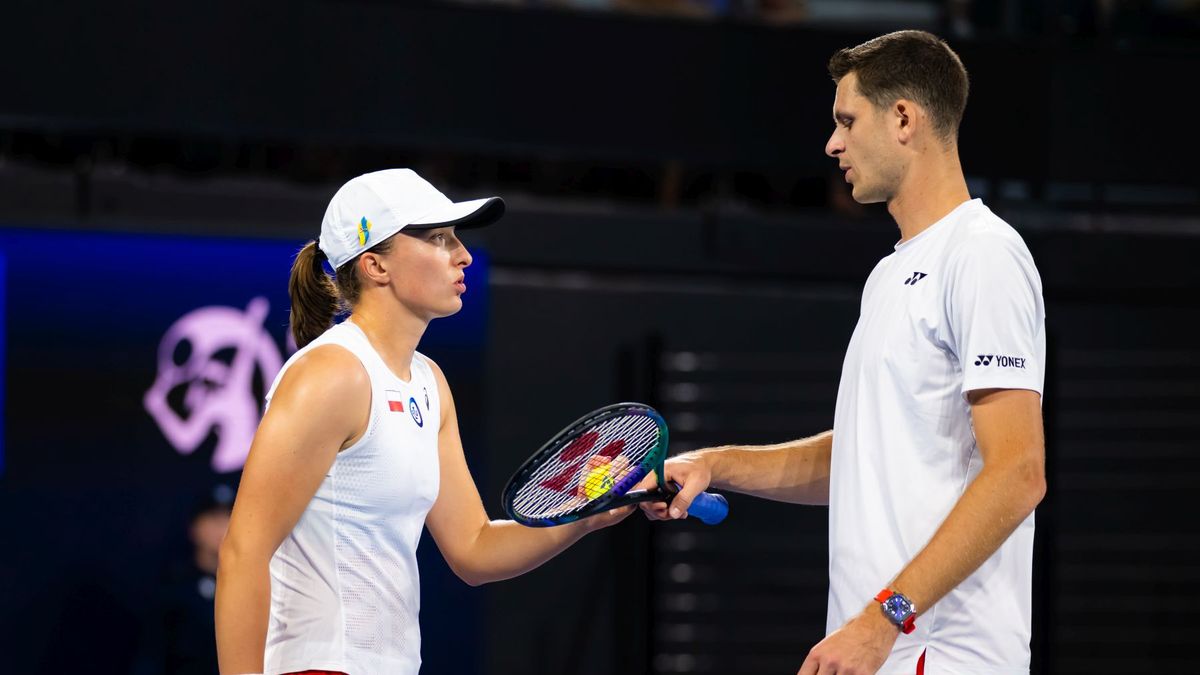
(936, 458)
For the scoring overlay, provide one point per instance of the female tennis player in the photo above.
(359, 449)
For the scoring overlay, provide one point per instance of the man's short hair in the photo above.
(910, 64)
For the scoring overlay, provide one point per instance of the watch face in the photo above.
(898, 607)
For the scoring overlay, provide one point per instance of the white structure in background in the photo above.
(225, 349)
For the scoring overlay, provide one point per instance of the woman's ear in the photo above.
(371, 266)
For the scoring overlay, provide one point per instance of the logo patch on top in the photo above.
(364, 231)
(395, 400)
(1001, 361)
(427, 399)
(416, 412)
(917, 276)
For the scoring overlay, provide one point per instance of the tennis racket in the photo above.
(591, 466)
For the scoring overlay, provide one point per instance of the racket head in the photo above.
(587, 466)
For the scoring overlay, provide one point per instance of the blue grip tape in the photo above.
(709, 508)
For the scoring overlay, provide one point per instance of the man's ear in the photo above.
(906, 116)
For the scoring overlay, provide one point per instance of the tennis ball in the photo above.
(598, 481)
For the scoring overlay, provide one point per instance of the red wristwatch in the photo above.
(898, 609)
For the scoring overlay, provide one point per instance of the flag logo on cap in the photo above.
(364, 231)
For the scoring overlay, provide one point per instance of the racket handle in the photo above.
(709, 508)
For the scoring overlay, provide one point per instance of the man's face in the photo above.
(862, 143)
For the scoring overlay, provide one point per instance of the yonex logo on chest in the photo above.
(917, 276)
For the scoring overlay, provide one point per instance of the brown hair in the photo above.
(318, 297)
(909, 64)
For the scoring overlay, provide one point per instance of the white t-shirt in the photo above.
(956, 308)
(345, 592)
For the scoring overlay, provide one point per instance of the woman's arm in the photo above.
(321, 405)
(477, 548)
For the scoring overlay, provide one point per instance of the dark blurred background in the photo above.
(675, 235)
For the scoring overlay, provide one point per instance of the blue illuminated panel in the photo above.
(3, 352)
(138, 354)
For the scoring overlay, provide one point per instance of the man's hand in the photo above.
(858, 648)
(690, 473)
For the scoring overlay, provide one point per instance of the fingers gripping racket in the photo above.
(591, 466)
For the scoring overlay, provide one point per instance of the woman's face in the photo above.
(427, 271)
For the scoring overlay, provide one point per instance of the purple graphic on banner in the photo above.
(211, 356)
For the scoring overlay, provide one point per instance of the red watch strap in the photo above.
(884, 595)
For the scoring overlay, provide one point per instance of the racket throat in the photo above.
(661, 494)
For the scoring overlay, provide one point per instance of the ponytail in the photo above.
(315, 299)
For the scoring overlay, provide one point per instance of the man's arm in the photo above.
(795, 472)
(1008, 430)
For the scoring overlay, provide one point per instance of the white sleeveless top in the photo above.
(344, 587)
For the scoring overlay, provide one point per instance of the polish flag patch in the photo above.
(395, 400)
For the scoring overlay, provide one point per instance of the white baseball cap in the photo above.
(374, 206)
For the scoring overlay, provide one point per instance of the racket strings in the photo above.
(587, 467)
(584, 468)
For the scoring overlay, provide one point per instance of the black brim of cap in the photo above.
(491, 211)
